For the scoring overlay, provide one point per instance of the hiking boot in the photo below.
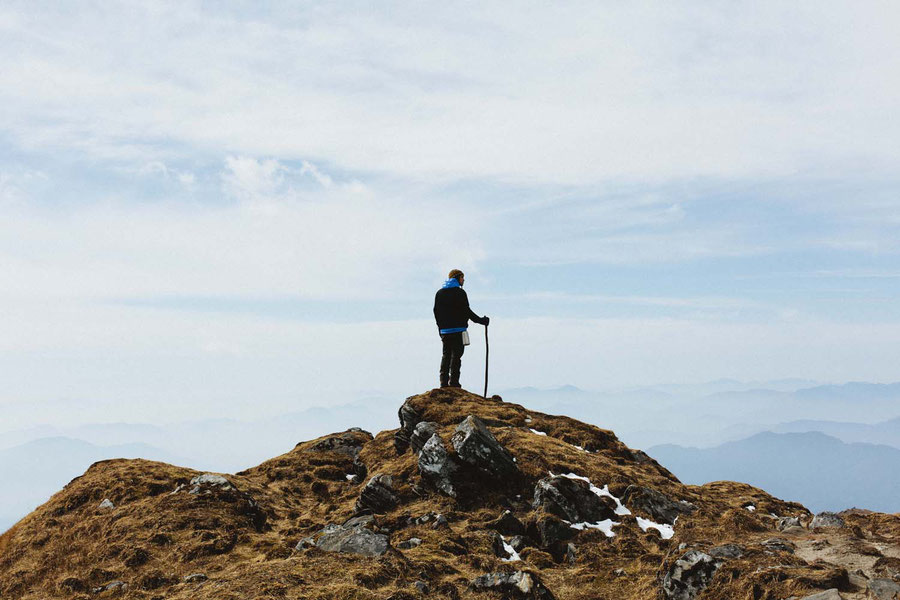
(451, 384)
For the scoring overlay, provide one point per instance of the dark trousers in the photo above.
(452, 358)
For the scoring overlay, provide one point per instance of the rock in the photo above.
(571, 553)
(831, 594)
(689, 575)
(106, 504)
(438, 467)
(421, 586)
(478, 447)
(498, 547)
(307, 542)
(659, 506)
(206, 483)
(826, 519)
(409, 418)
(518, 542)
(196, 578)
(785, 522)
(353, 540)
(727, 551)
(514, 586)
(112, 585)
(440, 521)
(552, 534)
(378, 495)
(410, 543)
(572, 500)
(361, 521)
(343, 443)
(620, 573)
(507, 524)
(883, 589)
(779, 545)
(421, 434)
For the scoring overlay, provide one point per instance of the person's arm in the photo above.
(472, 316)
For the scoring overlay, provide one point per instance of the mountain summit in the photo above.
(470, 498)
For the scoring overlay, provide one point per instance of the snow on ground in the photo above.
(513, 555)
(536, 431)
(604, 491)
(605, 526)
(666, 531)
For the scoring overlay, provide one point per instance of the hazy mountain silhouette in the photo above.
(818, 470)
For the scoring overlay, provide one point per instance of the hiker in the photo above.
(452, 313)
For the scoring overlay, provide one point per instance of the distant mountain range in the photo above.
(820, 470)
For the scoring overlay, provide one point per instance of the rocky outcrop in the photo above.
(518, 585)
(421, 434)
(572, 500)
(478, 447)
(438, 467)
(409, 418)
(826, 519)
(689, 575)
(660, 507)
(353, 537)
(378, 495)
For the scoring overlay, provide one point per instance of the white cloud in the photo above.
(576, 93)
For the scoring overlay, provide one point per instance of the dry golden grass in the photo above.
(153, 537)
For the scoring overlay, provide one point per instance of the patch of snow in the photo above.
(666, 531)
(604, 491)
(750, 507)
(537, 432)
(349, 476)
(605, 526)
(528, 419)
(579, 447)
(513, 555)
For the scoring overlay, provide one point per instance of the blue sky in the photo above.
(206, 207)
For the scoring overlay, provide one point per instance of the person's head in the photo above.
(457, 275)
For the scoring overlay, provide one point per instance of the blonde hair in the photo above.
(456, 274)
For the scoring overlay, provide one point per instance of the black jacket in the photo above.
(451, 309)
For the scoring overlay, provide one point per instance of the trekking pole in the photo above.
(486, 350)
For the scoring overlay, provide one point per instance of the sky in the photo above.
(232, 211)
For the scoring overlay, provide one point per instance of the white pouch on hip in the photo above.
(465, 337)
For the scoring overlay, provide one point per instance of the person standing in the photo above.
(452, 314)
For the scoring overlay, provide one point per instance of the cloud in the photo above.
(579, 94)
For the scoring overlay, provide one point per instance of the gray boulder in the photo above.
(352, 539)
(779, 545)
(208, 482)
(826, 519)
(519, 585)
(107, 504)
(438, 467)
(572, 500)
(477, 446)
(727, 551)
(409, 418)
(656, 504)
(421, 434)
(507, 524)
(883, 589)
(786, 522)
(378, 495)
(689, 575)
